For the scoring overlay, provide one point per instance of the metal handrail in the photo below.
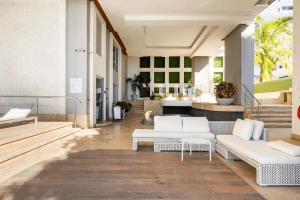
(253, 97)
(47, 97)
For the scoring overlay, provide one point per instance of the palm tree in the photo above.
(273, 41)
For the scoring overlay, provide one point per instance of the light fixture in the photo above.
(264, 2)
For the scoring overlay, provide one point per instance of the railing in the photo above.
(36, 98)
(253, 98)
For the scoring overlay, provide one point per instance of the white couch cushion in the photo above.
(16, 113)
(256, 150)
(168, 123)
(243, 129)
(195, 124)
(258, 128)
(285, 147)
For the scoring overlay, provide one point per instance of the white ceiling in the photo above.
(177, 27)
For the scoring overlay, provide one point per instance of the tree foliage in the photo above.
(273, 41)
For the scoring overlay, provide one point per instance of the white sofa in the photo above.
(169, 130)
(273, 167)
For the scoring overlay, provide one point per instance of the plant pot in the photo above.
(225, 101)
(134, 97)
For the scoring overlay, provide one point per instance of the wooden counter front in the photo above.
(218, 108)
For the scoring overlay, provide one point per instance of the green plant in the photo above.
(224, 90)
(124, 105)
(273, 40)
(198, 92)
(140, 82)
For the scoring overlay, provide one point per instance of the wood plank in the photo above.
(123, 174)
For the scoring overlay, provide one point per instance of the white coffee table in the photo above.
(194, 141)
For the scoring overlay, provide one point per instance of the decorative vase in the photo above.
(225, 101)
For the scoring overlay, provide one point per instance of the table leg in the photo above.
(191, 149)
(182, 146)
(209, 152)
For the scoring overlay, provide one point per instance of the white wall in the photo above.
(296, 66)
(32, 49)
(97, 62)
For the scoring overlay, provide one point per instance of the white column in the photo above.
(296, 69)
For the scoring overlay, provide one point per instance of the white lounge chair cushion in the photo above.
(243, 129)
(285, 147)
(257, 150)
(195, 124)
(149, 133)
(168, 123)
(258, 129)
(16, 113)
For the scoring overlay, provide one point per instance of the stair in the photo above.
(137, 106)
(274, 116)
(26, 145)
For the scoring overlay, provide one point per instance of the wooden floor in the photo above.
(101, 165)
(124, 174)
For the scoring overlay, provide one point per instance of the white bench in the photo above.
(272, 166)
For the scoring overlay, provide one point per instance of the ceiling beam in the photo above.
(109, 26)
(212, 20)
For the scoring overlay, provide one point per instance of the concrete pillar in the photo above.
(77, 58)
(239, 60)
(200, 73)
(296, 70)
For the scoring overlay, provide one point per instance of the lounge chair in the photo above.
(16, 115)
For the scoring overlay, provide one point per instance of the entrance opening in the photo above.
(99, 99)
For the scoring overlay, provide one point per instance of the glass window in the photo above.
(187, 62)
(145, 62)
(218, 62)
(145, 76)
(187, 77)
(144, 92)
(160, 90)
(174, 77)
(98, 36)
(174, 62)
(173, 90)
(159, 77)
(218, 77)
(115, 58)
(159, 62)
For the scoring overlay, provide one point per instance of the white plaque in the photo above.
(75, 85)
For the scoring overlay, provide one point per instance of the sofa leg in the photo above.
(156, 150)
(134, 145)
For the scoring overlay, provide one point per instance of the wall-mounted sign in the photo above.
(75, 85)
(298, 113)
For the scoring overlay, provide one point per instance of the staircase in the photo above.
(137, 107)
(26, 145)
(274, 116)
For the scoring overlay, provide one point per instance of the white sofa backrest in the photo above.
(195, 124)
(168, 123)
(258, 129)
(243, 129)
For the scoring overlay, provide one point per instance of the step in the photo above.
(275, 120)
(20, 147)
(278, 125)
(41, 142)
(272, 115)
(15, 133)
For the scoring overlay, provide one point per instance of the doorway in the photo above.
(99, 99)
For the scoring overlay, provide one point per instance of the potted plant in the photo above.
(138, 82)
(198, 93)
(125, 107)
(224, 92)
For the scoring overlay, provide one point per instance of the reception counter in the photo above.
(213, 112)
